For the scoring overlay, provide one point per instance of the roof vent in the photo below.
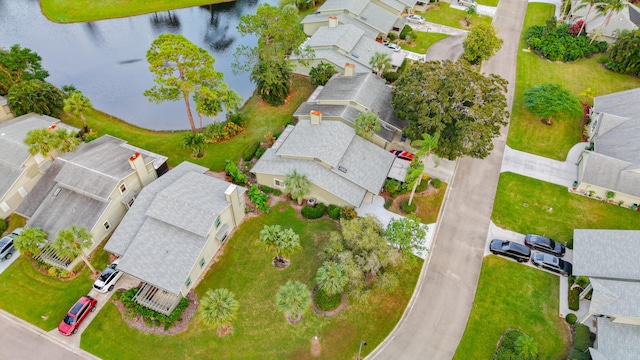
(56, 192)
(342, 168)
(355, 55)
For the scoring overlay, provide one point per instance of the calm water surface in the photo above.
(106, 59)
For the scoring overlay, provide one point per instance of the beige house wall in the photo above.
(27, 180)
(320, 194)
(626, 320)
(311, 28)
(5, 112)
(600, 193)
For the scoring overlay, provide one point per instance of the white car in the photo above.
(393, 47)
(415, 19)
(108, 278)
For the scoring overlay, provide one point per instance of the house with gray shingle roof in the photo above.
(19, 170)
(172, 232)
(344, 97)
(596, 22)
(612, 165)
(92, 187)
(343, 168)
(610, 259)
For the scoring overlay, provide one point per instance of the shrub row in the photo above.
(220, 131)
(269, 190)
(581, 342)
(250, 151)
(313, 212)
(232, 170)
(334, 211)
(555, 43)
(574, 299)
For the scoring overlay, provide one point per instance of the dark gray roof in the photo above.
(357, 165)
(622, 103)
(378, 17)
(610, 173)
(611, 254)
(13, 151)
(169, 223)
(38, 194)
(369, 31)
(616, 341)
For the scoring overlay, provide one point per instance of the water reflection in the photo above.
(106, 59)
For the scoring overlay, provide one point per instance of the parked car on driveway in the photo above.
(552, 263)
(393, 46)
(404, 155)
(467, 3)
(6, 245)
(417, 19)
(516, 251)
(544, 244)
(107, 280)
(71, 322)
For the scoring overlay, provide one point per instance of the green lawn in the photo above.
(569, 211)
(423, 41)
(488, 2)
(261, 331)
(526, 132)
(429, 205)
(451, 17)
(261, 118)
(69, 11)
(513, 296)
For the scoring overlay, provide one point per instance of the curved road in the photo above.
(435, 319)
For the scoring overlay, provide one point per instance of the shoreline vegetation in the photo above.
(73, 11)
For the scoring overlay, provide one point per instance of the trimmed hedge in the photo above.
(388, 203)
(250, 151)
(437, 183)
(334, 211)
(325, 302)
(270, 190)
(582, 338)
(570, 244)
(260, 152)
(574, 299)
(313, 212)
(3, 225)
(571, 318)
(409, 209)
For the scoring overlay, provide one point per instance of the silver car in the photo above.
(417, 19)
(6, 245)
(108, 278)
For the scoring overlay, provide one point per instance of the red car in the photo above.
(404, 155)
(78, 312)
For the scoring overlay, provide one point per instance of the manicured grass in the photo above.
(261, 118)
(261, 331)
(15, 221)
(429, 205)
(38, 298)
(513, 296)
(451, 17)
(526, 132)
(569, 211)
(69, 11)
(488, 2)
(423, 41)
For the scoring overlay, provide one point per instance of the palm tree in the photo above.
(608, 7)
(71, 242)
(282, 242)
(41, 142)
(471, 10)
(591, 4)
(427, 145)
(219, 309)
(379, 62)
(298, 185)
(196, 143)
(331, 277)
(77, 104)
(526, 347)
(367, 124)
(30, 240)
(67, 141)
(293, 299)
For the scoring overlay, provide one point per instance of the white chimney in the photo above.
(237, 206)
(316, 117)
(333, 21)
(349, 69)
(137, 164)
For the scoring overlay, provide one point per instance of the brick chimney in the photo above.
(333, 21)
(237, 206)
(316, 117)
(137, 163)
(349, 69)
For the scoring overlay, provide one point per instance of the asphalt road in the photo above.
(435, 320)
(449, 48)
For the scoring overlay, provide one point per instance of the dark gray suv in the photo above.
(516, 251)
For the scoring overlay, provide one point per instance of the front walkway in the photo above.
(557, 172)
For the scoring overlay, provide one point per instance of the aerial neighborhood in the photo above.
(337, 179)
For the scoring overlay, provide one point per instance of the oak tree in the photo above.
(19, 64)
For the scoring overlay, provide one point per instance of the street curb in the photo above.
(36, 330)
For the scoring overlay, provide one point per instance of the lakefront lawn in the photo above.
(260, 330)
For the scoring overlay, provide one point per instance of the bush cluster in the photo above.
(220, 131)
(4, 225)
(326, 303)
(348, 213)
(624, 56)
(582, 342)
(409, 209)
(232, 170)
(388, 203)
(314, 212)
(126, 298)
(260, 152)
(237, 118)
(334, 211)
(270, 190)
(571, 318)
(259, 198)
(507, 348)
(250, 151)
(406, 30)
(437, 183)
(574, 299)
(555, 43)
(424, 183)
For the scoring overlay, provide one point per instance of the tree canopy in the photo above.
(76, 103)
(36, 96)
(380, 62)
(467, 108)
(481, 43)
(182, 69)
(624, 55)
(321, 73)
(283, 242)
(549, 100)
(406, 234)
(44, 141)
(367, 124)
(19, 64)
(30, 240)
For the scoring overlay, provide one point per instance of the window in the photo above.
(202, 262)
(4, 206)
(130, 203)
(23, 192)
(188, 282)
(218, 222)
(123, 188)
(224, 237)
(278, 183)
(107, 225)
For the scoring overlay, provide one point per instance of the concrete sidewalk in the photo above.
(437, 28)
(557, 172)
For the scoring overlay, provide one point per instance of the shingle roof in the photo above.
(169, 224)
(611, 254)
(610, 173)
(615, 298)
(358, 165)
(616, 341)
(354, 6)
(345, 37)
(621, 142)
(622, 103)
(378, 17)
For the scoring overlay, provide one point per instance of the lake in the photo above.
(106, 59)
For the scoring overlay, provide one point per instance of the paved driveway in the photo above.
(6, 263)
(446, 49)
